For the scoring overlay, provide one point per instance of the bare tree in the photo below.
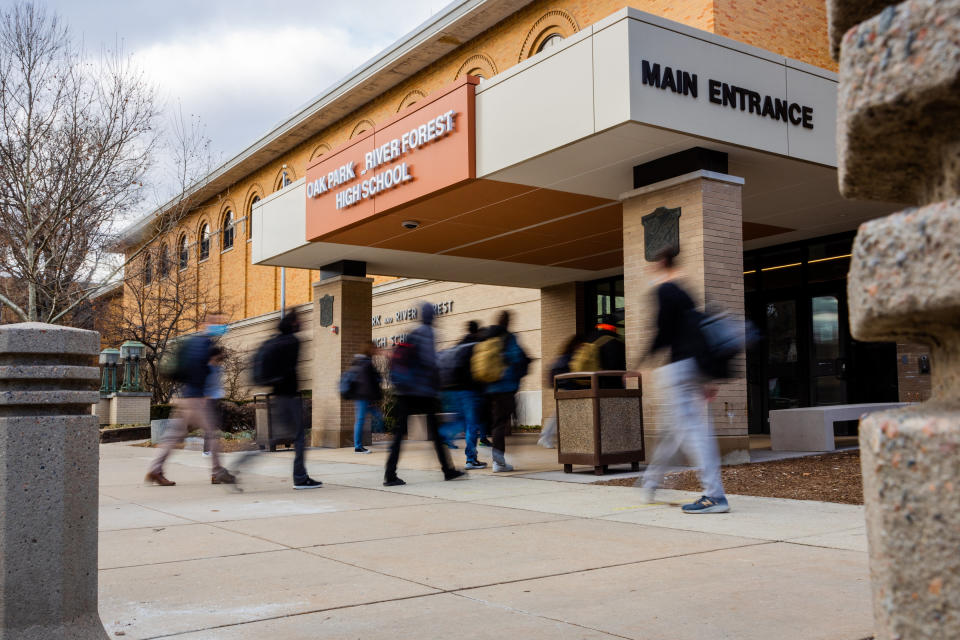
(76, 138)
(160, 302)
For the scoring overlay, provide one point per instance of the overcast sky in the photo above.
(243, 66)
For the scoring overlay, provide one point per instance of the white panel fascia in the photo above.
(280, 222)
(547, 105)
(697, 115)
(820, 143)
(611, 75)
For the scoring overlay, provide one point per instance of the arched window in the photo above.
(164, 261)
(550, 42)
(228, 228)
(204, 241)
(147, 269)
(183, 253)
(253, 201)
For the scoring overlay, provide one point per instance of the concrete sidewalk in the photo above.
(486, 557)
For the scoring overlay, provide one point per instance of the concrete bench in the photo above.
(811, 428)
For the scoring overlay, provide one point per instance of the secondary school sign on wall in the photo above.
(427, 148)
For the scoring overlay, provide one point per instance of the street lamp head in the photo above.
(132, 349)
(110, 356)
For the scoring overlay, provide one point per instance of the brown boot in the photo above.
(223, 477)
(157, 477)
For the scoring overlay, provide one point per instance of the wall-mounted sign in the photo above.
(725, 94)
(410, 313)
(661, 231)
(428, 148)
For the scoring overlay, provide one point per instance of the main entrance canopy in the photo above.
(516, 180)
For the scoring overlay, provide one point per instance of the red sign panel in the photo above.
(427, 148)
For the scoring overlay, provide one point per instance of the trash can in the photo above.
(267, 436)
(598, 426)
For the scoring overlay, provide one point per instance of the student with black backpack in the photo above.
(191, 370)
(362, 384)
(275, 366)
(416, 380)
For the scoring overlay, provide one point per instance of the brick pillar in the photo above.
(332, 353)
(561, 316)
(711, 255)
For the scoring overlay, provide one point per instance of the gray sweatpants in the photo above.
(685, 426)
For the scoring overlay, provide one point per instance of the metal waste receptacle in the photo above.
(269, 437)
(596, 425)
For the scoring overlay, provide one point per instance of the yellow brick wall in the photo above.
(793, 28)
(796, 28)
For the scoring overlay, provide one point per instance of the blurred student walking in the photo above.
(500, 352)
(416, 381)
(366, 393)
(461, 391)
(686, 416)
(192, 408)
(281, 353)
(561, 365)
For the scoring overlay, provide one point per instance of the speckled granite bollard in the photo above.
(48, 483)
(899, 139)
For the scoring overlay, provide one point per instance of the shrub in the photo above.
(237, 416)
(160, 411)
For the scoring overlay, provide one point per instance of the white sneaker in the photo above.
(502, 468)
(648, 495)
(206, 454)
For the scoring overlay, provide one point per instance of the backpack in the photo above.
(348, 383)
(402, 361)
(486, 362)
(721, 338)
(454, 364)
(174, 365)
(586, 357)
(263, 373)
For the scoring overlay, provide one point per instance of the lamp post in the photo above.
(130, 352)
(108, 361)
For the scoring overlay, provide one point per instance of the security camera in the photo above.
(410, 224)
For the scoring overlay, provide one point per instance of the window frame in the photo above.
(228, 231)
(203, 242)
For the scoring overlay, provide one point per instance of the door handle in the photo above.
(841, 368)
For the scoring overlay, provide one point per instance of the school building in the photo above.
(534, 156)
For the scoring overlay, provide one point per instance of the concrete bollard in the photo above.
(48, 483)
(898, 136)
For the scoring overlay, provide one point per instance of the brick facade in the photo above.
(333, 352)
(914, 386)
(244, 290)
(561, 317)
(711, 257)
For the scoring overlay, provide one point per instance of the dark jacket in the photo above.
(676, 323)
(285, 354)
(367, 386)
(196, 352)
(425, 375)
(515, 359)
(613, 353)
(559, 366)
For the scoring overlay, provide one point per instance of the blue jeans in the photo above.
(361, 408)
(466, 404)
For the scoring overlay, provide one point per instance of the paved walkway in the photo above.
(485, 557)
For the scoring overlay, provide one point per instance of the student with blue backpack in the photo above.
(415, 377)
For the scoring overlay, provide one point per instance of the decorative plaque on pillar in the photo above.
(326, 310)
(661, 230)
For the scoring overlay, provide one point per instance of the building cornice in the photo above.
(445, 31)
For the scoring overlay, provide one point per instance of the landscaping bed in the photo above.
(831, 477)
